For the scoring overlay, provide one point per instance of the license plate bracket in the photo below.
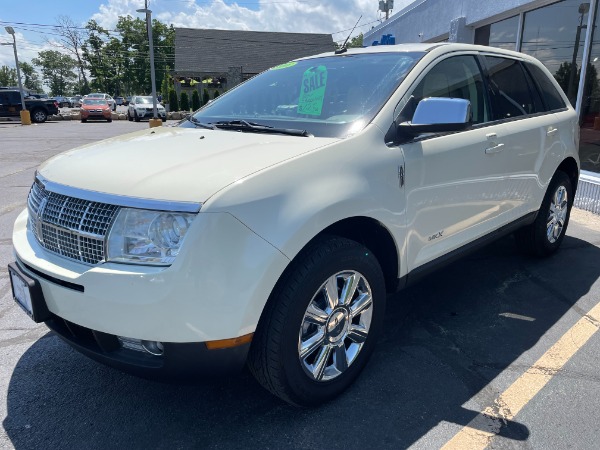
(28, 294)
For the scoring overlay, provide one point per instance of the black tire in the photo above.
(109, 120)
(39, 115)
(129, 117)
(534, 239)
(135, 117)
(83, 120)
(274, 357)
(164, 119)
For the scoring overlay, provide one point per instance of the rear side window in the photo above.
(550, 94)
(509, 90)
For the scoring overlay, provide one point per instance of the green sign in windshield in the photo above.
(312, 91)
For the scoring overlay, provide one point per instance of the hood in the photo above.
(176, 164)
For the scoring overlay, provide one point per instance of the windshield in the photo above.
(94, 102)
(327, 97)
(143, 99)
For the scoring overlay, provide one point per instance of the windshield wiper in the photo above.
(201, 124)
(243, 125)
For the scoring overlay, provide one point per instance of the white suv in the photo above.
(141, 107)
(269, 227)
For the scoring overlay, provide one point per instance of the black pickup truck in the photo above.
(10, 105)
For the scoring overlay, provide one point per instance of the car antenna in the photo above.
(343, 48)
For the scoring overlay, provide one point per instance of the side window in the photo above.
(509, 90)
(551, 97)
(455, 77)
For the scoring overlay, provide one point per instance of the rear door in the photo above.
(530, 132)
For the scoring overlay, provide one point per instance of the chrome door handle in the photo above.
(551, 131)
(494, 149)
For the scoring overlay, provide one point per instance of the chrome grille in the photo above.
(69, 226)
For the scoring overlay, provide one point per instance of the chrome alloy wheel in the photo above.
(335, 325)
(557, 215)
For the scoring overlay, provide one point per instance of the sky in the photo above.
(32, 19)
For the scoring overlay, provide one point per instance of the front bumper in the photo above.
(188, 360)
(96, 115)
(149, 114)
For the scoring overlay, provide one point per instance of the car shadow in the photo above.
(445, 339)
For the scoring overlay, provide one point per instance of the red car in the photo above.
(94, 108)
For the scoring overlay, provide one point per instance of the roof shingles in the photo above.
(213, 51)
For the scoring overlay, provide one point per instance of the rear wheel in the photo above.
(39, 115)
(320, 324)
(544, 236)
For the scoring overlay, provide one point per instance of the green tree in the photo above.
(216, 94)
(173, 102)
(166, 83)
(8, 76)
(195, 100)
(31, 79)
(205, 97)
(356, 41)
(185, 101)
(57, 70)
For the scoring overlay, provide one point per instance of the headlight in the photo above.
(147, 237)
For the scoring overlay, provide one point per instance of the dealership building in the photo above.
(563, 35)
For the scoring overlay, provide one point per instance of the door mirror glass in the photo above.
(437, 115)
(437, 111)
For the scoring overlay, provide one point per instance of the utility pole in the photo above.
(25, 116)
(155, 121)
(386, 6)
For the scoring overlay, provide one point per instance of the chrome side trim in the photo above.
(119, 200)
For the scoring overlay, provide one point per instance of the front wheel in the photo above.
(544, 236)
(320, 324)
(136, 117)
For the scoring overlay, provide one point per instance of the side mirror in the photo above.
(437, 115)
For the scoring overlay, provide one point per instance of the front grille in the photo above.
(69, 226)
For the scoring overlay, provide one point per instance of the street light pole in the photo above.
(155, 122)
(25, 117)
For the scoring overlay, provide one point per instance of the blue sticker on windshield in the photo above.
(312, 91)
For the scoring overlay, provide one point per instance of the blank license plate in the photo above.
(21, 292)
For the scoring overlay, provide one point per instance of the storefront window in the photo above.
(555, 35)
(501, 34)
(589, 145)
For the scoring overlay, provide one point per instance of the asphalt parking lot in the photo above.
(496, 350)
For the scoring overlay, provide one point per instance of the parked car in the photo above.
(39, 109)
(95, 109)
(268, 228)
(64, 102)
(127, 100)
(108, 98)
(119, 100)
(141, 107)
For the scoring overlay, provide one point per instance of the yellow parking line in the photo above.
(481, 430)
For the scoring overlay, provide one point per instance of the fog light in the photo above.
(153, 347)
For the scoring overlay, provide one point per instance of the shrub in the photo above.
(184, 101)
(205, 97)
(216, 94)
(173, 102)
(195, 100)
